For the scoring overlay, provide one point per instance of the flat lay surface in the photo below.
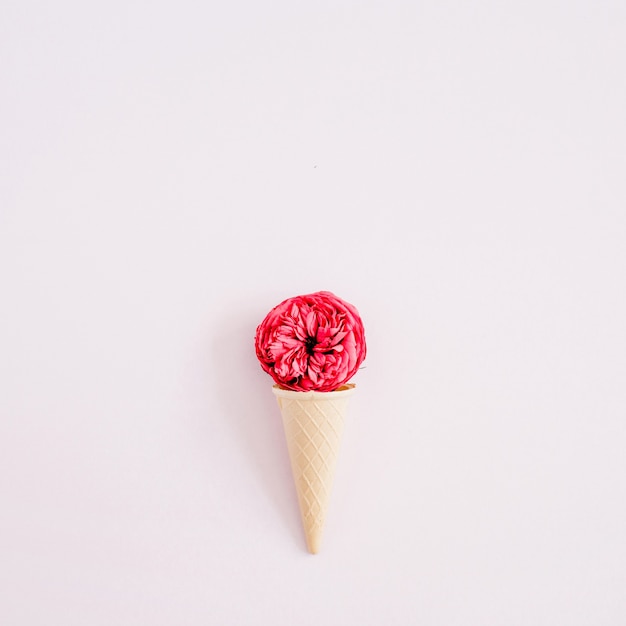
(169, 172)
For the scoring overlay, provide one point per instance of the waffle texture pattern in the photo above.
(313, 423)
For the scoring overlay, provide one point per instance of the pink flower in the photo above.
(311, 343)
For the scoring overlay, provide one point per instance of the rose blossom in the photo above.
(311, 343)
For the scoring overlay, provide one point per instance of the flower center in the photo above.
(309, 344)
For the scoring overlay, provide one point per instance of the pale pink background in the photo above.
(170, 171)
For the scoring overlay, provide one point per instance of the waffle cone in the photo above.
(313, 423)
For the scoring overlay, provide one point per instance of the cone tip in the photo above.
(313, 541)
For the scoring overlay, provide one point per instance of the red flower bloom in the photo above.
(311, 343)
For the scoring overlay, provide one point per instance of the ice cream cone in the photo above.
(313, 423)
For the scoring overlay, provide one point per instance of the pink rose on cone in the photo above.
(311, 343)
